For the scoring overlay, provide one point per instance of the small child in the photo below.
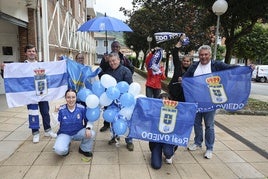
(157, 148)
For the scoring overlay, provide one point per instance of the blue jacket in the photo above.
(215, 66)
(71, 122)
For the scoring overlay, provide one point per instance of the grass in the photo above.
(256, 105)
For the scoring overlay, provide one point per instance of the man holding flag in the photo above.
(40, 81)
(205, 65)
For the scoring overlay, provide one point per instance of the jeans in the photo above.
(209, 129)
(34, 116)
(62, 143)
(152, 92)
(156, 153)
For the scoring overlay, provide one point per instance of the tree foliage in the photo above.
(253, 46)
(241, 15)
(194, 17)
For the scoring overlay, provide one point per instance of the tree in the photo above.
(240, 15)
(253, 46)
(164, 16)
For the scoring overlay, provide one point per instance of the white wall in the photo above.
(14, 8)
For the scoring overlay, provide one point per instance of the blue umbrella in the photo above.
(104, 24)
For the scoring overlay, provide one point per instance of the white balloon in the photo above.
(92, 101)
(134, 88)
(108, 81)
(105, 100)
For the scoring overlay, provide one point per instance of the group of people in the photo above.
(183, 68)
(72, 115)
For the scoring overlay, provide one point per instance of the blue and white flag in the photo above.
(29, 83)
(227, 89)
(162, 121)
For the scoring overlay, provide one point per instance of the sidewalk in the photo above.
(241, 148)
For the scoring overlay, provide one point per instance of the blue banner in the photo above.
(227, 89)
(163, 121)
(79, 76)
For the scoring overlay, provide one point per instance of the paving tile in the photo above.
(49, 159)
(245, 170)
(75, 158)
(251, 156)
(105, 171)
(131, 157)
(3, 134)
(8, 127)
(29, 146)
(42, 172)
(7, 148)
(18, 135)
(218, 170)
(183, 156)
(105, 158)
(191, 171)
(134, 171)
(228, 156)
(235, 145)
(166, 171)
(74, 171)
(22, 158)
(12, 172)
(262, 167)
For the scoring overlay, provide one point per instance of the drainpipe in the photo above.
(45, 31)
(38, 21)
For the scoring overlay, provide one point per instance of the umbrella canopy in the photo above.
(104, 24)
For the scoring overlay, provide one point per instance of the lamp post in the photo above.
(149, 40)
(219, 7)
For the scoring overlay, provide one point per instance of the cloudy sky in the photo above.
(111, 7)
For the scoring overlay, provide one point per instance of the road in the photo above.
(259, 88)
(259, 91)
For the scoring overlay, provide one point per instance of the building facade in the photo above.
(50, 25)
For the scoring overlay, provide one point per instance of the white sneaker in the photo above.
(50, 134)
(35, 138)
(208, 154)
(169, 161)
(193, 147)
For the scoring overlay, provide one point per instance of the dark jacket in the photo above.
(174, 87)
(123, 60)
(215, 66)
(122, 73)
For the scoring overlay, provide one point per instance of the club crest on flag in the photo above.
(168, 116)
(216, 90)
(40, 81)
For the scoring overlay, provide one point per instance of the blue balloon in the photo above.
(122, 86)
(83, 93)
(113, 93)
(93, 114)
(109, 115)
(97, 88)
(120, 126)
(127, 100)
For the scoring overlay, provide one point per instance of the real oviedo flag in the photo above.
(162, 121)
(29, 83)
(227, 89)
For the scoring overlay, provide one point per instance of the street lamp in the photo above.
(219, 7)
(149, 40)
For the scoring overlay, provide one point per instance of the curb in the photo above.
(243, 112)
